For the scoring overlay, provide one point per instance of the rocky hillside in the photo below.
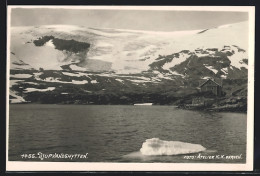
(75, 64)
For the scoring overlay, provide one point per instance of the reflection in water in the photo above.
(209, 114)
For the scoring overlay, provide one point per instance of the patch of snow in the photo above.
(211, 52)
(51, 79)
(223, 76)
(64, 93)
(225, 70)
(156, 72)
(13, 82)
(77, 68)
(39, 90)
(138, 80)
(156, 80)
(236, 59)
(31, 83)
(206, 77)
(120, 80)
(105, 74)
(126, 76)
(88, 91)
(94, 82)
(45, 57)
(79, 82)
(21, 76)
(160, 75)
(38, 73)
(212, 69)
(175, 61)
(144, 78)
(50, 44)
(18, 99)
(84, 74)
(36, 76)
(71, 74)
(176, 73)
(202, 55)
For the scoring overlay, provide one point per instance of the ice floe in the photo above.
(155, 146)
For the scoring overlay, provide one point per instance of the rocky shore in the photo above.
(226, 104)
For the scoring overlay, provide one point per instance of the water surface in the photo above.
(115, 133)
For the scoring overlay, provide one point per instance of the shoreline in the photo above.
(205, 109)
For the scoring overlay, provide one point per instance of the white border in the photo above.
(80, 166)
(181, 8)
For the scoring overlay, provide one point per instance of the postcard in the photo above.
(130, 88)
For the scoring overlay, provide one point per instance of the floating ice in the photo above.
(155, 146)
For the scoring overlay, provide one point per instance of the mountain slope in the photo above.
(59, 64)
(127, 51)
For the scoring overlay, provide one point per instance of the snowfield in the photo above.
(128, 51)
(45, 61)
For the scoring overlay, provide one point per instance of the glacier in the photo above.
(128, 51)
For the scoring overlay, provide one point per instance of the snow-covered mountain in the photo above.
(50, 59)
(126, 51)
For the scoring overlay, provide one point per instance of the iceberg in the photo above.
(155, 146)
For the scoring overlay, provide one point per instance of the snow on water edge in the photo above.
(155, 146)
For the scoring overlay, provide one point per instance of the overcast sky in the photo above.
(126, 19)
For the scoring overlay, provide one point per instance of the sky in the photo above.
(149, 20)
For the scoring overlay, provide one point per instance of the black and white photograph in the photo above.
(139, 88)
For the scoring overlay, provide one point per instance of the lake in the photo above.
(115, 133)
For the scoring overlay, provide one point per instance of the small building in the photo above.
(211, 85)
